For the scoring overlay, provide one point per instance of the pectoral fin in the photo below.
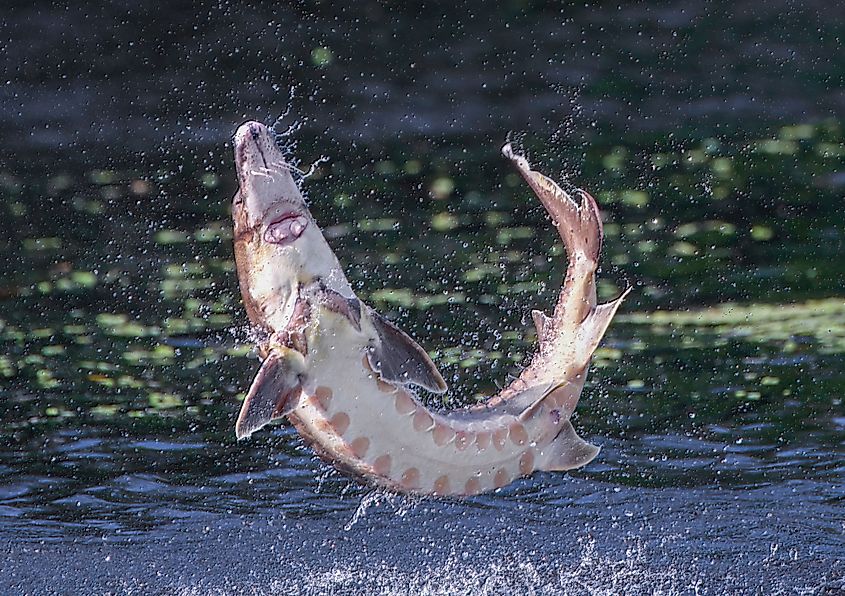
(274, 391)
(399, 359)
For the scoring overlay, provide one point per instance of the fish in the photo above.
(349, 380)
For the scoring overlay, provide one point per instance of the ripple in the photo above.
(166, 445)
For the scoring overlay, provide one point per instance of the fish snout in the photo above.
(250, 131)
(267, 187)
(253, 147)
(256, 150)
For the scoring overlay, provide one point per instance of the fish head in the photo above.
(278, 244)
(268, 205)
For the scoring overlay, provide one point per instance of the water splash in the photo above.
(287, 143)
(248, 334)
(590, 574)
(401, 505)
(566, 136)
(288, 109)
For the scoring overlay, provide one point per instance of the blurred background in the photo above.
(711, 134)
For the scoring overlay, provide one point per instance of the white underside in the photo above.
(335, 361)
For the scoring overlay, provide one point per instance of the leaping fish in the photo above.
(344, 375)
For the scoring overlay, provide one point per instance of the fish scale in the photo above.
(344, 375)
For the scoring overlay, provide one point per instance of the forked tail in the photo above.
(572, 333)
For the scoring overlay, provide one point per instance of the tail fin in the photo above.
(577, 223)
(567, 451)
(573, 332)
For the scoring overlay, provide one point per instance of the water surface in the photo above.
(124, 350)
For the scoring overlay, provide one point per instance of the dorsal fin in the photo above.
(541, 322)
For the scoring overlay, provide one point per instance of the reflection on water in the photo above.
(716, 396)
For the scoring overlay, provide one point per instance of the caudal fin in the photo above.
(569, 337)
(577, 221)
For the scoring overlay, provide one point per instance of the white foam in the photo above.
(587, 573)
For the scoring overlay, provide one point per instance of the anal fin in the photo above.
(596, 323)
(567, 451)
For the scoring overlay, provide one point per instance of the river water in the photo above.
(711, 135)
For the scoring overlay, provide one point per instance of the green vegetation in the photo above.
(127, 315)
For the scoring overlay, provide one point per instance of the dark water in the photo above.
(711, 134)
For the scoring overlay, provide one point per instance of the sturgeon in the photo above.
(345, 376)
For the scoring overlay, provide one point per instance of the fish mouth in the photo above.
(267, 187)
(286, 229)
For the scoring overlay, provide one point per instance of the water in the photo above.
(709, 136)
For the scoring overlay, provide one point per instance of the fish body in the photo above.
(344, 375)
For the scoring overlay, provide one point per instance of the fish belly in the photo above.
(381, 433)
